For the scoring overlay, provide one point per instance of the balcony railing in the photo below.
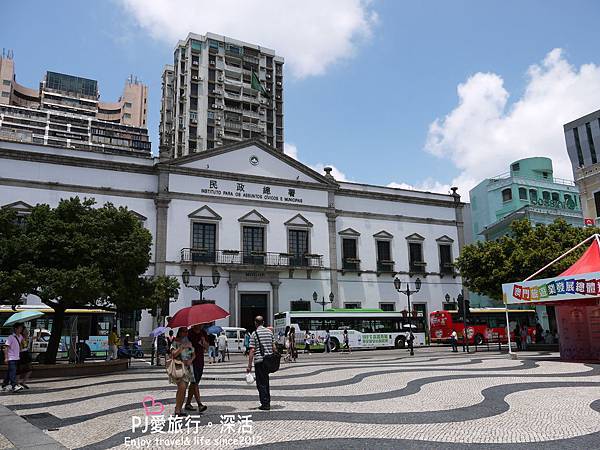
(447, 269)
(351, 264)
(239, 258)
(385, 266)
(417, 266)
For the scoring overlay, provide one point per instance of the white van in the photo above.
(235, 339)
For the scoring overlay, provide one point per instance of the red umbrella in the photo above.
(197, 314)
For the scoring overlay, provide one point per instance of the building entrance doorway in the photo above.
(252, 305)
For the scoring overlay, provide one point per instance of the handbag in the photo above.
(175, 369)
(272, 361)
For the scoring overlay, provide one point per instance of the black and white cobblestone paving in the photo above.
(370, 399)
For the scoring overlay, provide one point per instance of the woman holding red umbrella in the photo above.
(182, 350)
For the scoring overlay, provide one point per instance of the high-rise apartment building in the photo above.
(66, 111)
(582, 137)
(220, 91)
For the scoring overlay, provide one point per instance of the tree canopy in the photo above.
(484, 266)
(79, 255)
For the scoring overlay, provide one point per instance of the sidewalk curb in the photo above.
(22, 434)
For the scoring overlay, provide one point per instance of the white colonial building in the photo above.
(274, 229)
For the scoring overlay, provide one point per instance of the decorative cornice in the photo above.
(76, 161)
(209, 213)
(19, 206)
(259, 218)
(256, 143)
(383, 235)
(445, 239)
(51, 186)
(299, 221)
(349, 232)
(415, 237)
(397, 198)
(395, 217)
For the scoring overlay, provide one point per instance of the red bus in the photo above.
(483, 325)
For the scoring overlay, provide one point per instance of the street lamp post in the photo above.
(323, 302)
(408, 292)
(216, 277)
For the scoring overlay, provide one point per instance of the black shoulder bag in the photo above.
(271, 362)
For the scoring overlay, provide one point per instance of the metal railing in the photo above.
(237, 257)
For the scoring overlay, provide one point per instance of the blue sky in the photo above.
(369, 110)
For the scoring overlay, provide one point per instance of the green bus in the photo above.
(367, 328)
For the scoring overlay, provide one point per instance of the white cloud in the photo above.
(310, 34)
(484, 134)
(337, 173)
(428, 185)
(290, 150)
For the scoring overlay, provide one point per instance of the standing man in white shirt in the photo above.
(261, 345)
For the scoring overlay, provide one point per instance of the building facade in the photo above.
(220, 91)
(66, 111)
(274, 229)
(582, 136)
(528, 191)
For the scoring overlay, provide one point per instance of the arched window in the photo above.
(506, 195)
(533, 195)
(546, 195)
(555, 196)
(522, 193)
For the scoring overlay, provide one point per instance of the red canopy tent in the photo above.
(575, 294)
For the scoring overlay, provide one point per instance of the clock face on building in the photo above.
(254, 160)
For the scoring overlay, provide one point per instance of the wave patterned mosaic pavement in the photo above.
(370, 399)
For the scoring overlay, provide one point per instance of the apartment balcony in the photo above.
(237, 258)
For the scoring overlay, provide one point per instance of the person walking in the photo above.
(454, 341)
(347, 341)
(222, 346)
(292, 348)
(161, 348)
(182, 350)
(12, 352)
(307, 342)
(170, 339)
(198, 338)
(517, 338)
(262, 338)
(524, 336)
(327, 341)
(246, 344)
(212, 349)
(113, 344)
(24, 364)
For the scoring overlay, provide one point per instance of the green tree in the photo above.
(484, 266)
(78, 255)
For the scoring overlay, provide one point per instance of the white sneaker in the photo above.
(6, 388)
(18, 388)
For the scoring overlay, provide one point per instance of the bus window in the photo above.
(366, 326)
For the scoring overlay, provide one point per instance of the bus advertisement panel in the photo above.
(367, 328)
(483, 325)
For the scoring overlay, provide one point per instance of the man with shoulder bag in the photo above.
(266, 360)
